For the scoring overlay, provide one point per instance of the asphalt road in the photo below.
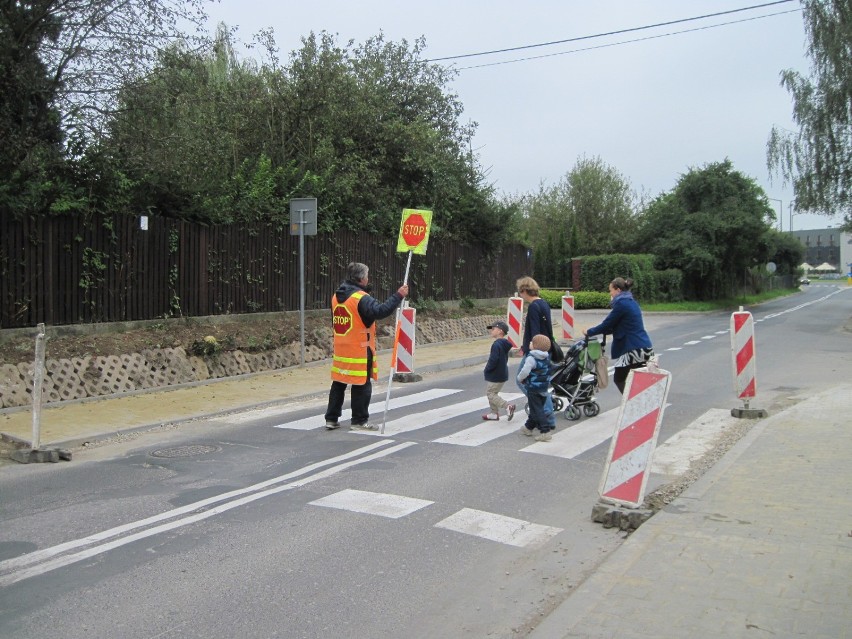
(239, 528)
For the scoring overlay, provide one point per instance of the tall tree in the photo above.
(817, 158)
(29, 122)
(712, 226)
(105, 45)
(593, 200)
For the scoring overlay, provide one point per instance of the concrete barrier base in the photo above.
(749, 413)
(40, 455)
(612, 516)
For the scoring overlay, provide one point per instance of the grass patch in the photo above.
(718, 305)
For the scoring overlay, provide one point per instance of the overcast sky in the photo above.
(652, 109)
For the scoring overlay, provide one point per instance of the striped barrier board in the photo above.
(743, 355)
(514, 317)
(638, 425)
(404, 353)
(567, 316)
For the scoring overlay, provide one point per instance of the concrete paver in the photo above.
(759, 546)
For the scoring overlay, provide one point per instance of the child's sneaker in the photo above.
(490, 417)
(331, 425)
(526, 431)
(544, 437)
(510, 412)
(367, 426)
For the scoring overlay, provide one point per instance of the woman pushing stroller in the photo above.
(631, 345)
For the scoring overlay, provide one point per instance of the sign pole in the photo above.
(302, 283)
(395, 337)
(303, 221)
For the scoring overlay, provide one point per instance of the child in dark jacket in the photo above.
(497, 373)
(533, 377)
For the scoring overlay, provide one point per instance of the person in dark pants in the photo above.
(631, 345)
(537, 322)
(354, 313)
(533, 377)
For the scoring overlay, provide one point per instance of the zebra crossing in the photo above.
(570, 441)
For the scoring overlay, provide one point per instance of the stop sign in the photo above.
(414, 230)
(341, 320)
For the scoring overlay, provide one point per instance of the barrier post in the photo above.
(629, 461)
(402, 360)
(567, 316)
(514, 317)
(743, 363)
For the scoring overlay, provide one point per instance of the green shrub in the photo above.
(582, 299)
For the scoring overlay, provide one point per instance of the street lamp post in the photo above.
(780, 213)
(790, 208)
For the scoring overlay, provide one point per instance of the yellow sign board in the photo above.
(414, 231)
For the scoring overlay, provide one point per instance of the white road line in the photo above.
(692, 343)
(574, 440)
(11, 565)
(721, 332)
(709, 337)
(494, 527)
(318, 421)
(675, 348)
(486, 431)
(381, 504)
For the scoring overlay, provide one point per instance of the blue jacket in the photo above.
(625, 324)
(497, 366)
(534, 372)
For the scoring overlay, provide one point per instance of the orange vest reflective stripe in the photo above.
(351, 341)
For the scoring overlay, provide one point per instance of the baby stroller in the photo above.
(574, 381)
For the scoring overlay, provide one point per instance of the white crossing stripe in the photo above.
(576, 439)
(709, 337)
(494, 527)
(692, 343)
(318, 421)
(381, 504)
(693, 442)
(427, 418)
(674, 348)
(487, 430)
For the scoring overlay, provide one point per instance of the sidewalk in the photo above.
(761, 546)
(75, 422)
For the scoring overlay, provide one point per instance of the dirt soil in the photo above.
(193, 336)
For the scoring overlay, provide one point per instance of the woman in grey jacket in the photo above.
(631, 346)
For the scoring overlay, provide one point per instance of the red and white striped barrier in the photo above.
(567, 316)
(403, 356)
(743, 355)
(514, 317)
(639, 418)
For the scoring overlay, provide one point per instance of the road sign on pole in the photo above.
(303, 221)
(414, 231)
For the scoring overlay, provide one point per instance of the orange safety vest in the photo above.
(351, 341)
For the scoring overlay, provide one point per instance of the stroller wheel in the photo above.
(558, 403)
(572, 413)
(527, 409)
(591, 409)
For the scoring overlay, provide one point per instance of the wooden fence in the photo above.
(67, 270)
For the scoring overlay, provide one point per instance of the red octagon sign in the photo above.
(341, 320)
(414, 230)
